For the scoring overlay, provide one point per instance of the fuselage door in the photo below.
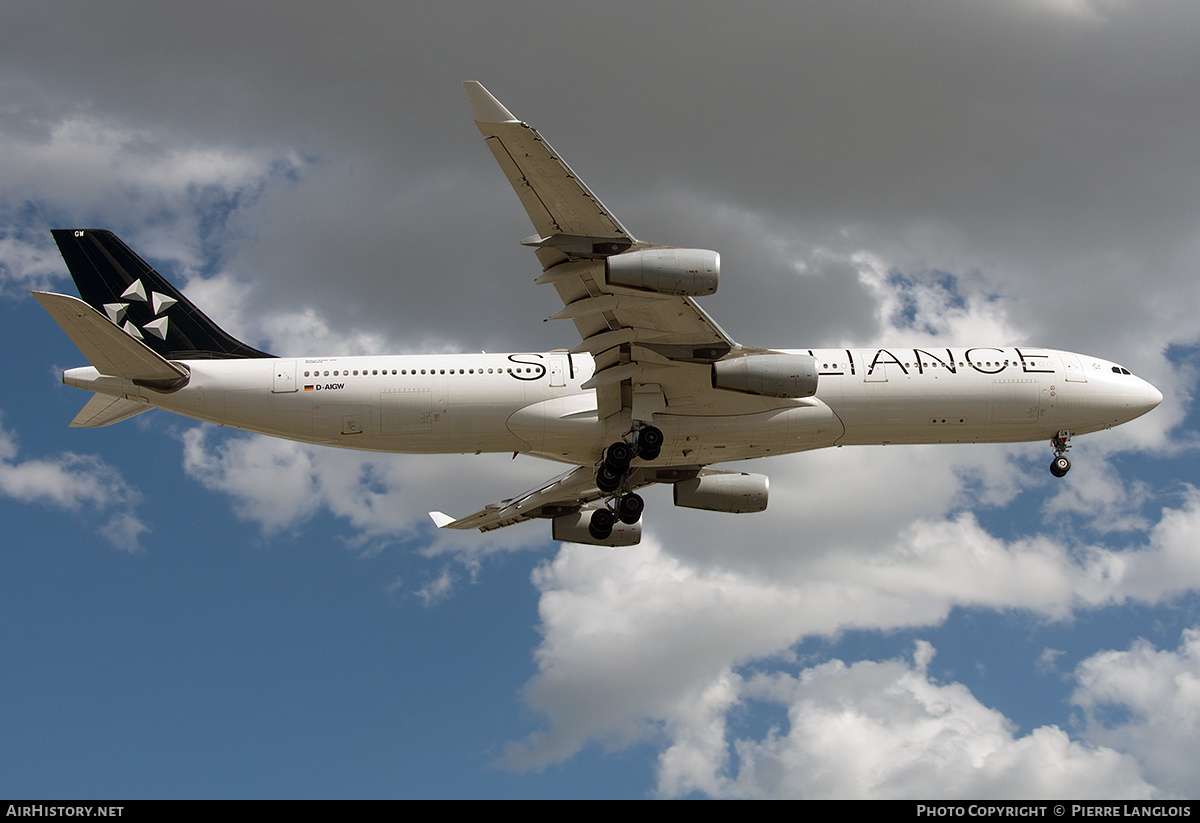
(285, 377)
(556, 371)
(873, 370)
(1073, 368)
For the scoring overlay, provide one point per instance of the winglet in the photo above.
(440, 520)
(484, 107)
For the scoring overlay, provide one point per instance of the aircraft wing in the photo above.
(564, 494)
(651, 349)
(557, 201)
(574, 488)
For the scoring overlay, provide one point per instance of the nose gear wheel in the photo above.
(1061, 442)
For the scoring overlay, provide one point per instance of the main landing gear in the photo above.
(611, 475)
(1061, 442)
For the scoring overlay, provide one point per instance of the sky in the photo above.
(187, 611)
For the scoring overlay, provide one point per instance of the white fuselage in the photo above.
(535, 403)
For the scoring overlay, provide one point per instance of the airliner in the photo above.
(653, 391)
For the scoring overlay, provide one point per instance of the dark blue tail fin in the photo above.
(119, 284)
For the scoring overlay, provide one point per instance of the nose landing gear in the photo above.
(1061, 442)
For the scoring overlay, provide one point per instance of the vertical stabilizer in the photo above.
(123, 287)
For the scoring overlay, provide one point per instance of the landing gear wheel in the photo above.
(608, 480)
(629, 508)
(650, 442)
(1059, 466)
(601, 525)
(618, 456)
(1061, 443)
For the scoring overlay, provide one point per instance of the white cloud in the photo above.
(1095, 11)
(1105, 500)
(76, 483)
(886, 730)
(1047, 661)
(1155, 694)
(438, 589)
(95, 164)
(270, 481)
(934, 307)
(647, 638)
(92, 171)
(123, 530)
(280, 485)
(26, 265)
(304, 332)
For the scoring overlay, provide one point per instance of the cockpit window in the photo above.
(1120, 370)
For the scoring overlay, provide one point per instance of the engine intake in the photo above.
(772, 375)
(691, 272)
(734, 493)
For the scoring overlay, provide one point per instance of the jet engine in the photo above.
(666, 271)
(573, 528)
(735, 493)
(773, 375)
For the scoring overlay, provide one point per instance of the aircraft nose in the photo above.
(1142, 399)
(1153, 397)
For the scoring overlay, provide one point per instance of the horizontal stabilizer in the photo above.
(112, 351)
(103, 410)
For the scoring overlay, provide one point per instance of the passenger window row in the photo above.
(384, 372)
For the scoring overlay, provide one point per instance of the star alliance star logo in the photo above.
(158, 303)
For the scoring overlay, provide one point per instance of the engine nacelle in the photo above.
(734, 493)
(573, 528)
(666, 271)
(773, 375)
